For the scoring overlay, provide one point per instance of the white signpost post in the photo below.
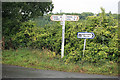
(85, 35)
(64, 18)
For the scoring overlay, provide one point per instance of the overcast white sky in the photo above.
(79, 6)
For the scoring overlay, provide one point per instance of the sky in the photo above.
(79, 6)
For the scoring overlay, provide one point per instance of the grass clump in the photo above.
(45, 59)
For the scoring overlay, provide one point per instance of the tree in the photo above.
(86, 14)
(14, 13)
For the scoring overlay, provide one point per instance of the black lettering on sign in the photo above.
(80, 35)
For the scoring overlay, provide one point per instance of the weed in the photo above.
(45, 59)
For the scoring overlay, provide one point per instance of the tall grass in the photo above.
(45, 59)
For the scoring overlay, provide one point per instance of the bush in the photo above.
(102, 47)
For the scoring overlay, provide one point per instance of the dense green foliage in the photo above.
(23, 26)
(14, 13)
(43, 20)
(104, 47)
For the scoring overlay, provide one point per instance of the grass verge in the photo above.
(47, 60)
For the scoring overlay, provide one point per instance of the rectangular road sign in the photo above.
(85, 35)
(56, 17)
(67, 18)
(72, 18)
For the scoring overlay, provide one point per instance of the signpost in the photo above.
(64, 18)
(56, 17)
(72, 18)
(63, 35)
(67, 17)
(85, 35)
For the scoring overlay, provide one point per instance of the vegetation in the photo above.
(101, 53)
(45, 59)
(14, 13)
(103, 47)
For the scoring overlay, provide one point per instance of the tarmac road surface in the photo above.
(21, 72)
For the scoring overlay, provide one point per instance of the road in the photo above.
(21, 72)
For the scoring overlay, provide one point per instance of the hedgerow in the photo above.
(103, 47)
